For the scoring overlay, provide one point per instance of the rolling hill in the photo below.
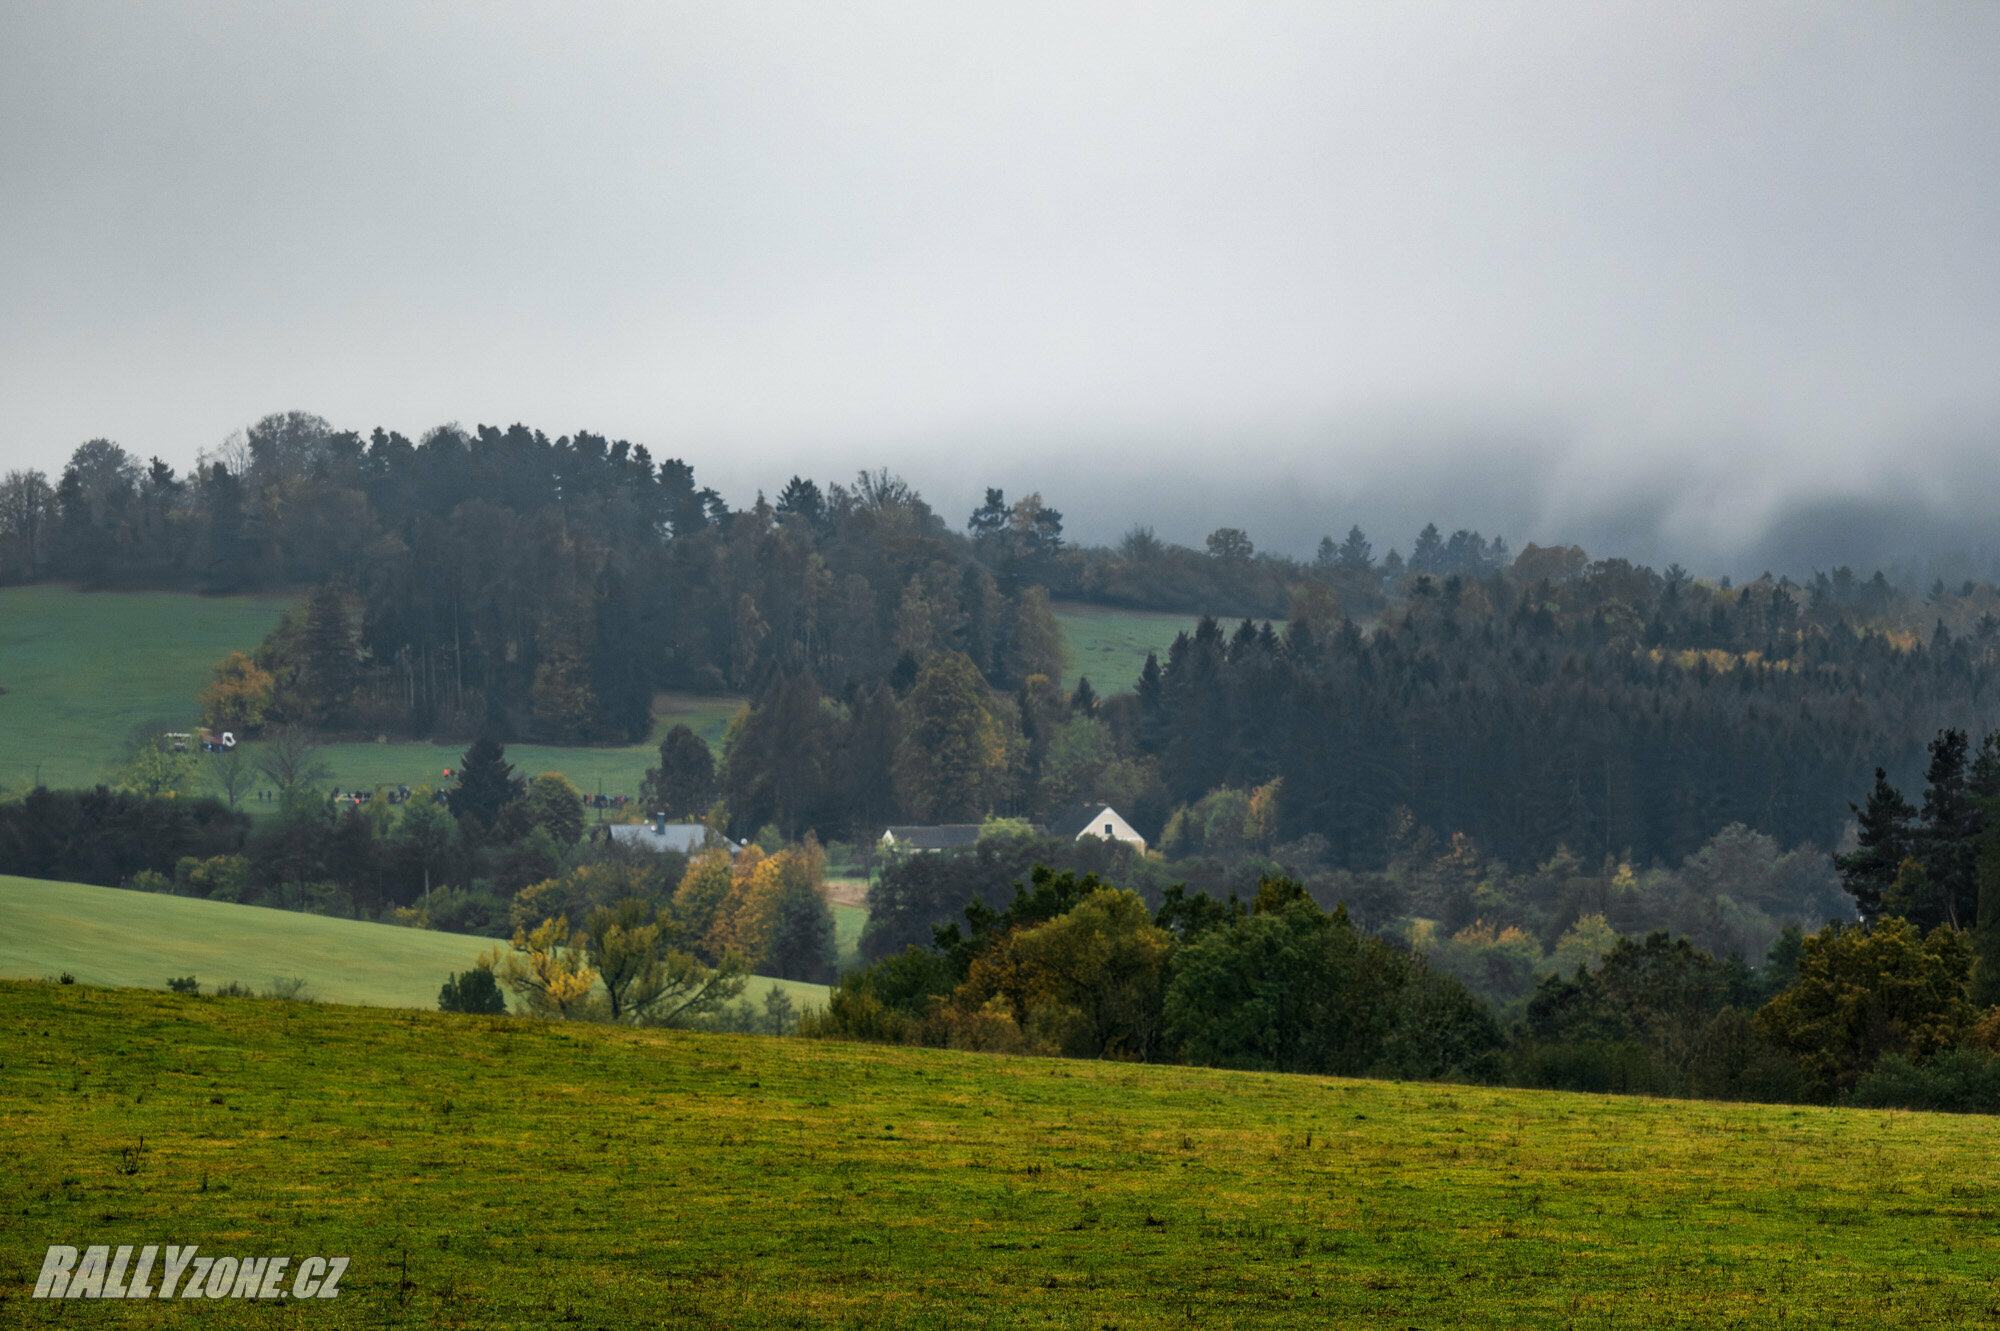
(110, 936)
(501, 1172)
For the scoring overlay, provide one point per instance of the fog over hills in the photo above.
(1702, 282)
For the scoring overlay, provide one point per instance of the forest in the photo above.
(900, 666)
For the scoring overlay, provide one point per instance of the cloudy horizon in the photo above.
(1701, 282)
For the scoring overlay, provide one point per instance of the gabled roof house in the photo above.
(1099, 820)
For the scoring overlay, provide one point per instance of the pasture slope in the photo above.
(81, 669)
(1110, 645)
(110, 936)
(494, 1172)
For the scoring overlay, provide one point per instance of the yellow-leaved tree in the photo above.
(553, 976)
(706, 885)
(647, 982)
(773, 915)
(238, 697)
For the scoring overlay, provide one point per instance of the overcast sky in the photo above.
(1672, 279)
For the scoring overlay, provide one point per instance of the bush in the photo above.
(1957, 1081)
(184, 984)
(475, 991)
(291, 990)
(234, 989)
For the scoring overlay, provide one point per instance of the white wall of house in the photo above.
(1108, 823)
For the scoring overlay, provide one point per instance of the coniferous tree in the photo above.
(1948, 840)
(1886, 834)
(486, 783)
(328, 665)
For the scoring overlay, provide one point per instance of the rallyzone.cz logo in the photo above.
(99, 1273)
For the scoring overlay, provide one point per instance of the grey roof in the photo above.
(1078, 819)
(687, 838)
(944, 836)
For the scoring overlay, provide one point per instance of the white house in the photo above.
(1099, 820)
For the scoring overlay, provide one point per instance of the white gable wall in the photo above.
(1109, 824)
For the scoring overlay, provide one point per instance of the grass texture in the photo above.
(80, 669)
(499, 1172)
(1110, 645)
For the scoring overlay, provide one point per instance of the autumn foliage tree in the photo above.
(238, 696)
(550, 973)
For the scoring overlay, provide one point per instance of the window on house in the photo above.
(1107, 829)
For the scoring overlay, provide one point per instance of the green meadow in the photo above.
(110, 936)
(492, 1172)
(81, 669)
(608, 770)
(1110, 645)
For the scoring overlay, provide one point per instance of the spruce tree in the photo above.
(1949, 836)
(1886, 836)
(486, 783)
(329, 664)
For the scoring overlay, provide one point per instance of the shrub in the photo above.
(184, 984)
(234, 989)
(292, 990)
(474, 991)
(1957, 1081)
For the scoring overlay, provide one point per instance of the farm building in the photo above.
(944, 836)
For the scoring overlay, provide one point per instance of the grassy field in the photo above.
(492, 1172)
(848, 922)
(109, 936)
(80, 669)
(1110, 645)
(610, 771)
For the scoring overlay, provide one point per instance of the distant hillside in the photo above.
(81, 669)
(1109, 645)
(109, 936)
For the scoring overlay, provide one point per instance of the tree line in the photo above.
(1876, 1014)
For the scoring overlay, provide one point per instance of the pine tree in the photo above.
(329, 665)
(1949, 836)
(1885, 837)
(1427, 556)
(486, 783)
(1355, 552)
